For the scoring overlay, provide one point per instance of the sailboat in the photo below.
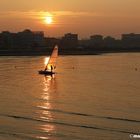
(51, 65)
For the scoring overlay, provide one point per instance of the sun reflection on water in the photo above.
(46, 106)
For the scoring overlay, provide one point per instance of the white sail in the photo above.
(52, 60)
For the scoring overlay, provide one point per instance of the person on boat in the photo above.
(51, 68)
(45, 69)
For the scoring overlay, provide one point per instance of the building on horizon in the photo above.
(96, 41)
(69, 41)
(131, 40)
(52, 41)
(110, 42)
(25, 39)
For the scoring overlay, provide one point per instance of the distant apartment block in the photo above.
(24, 39)
(131, 40)
(69, 40)
(96, 40)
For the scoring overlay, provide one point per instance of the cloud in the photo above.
(42, 14)
(60, 14)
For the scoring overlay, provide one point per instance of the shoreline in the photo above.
(64, 52)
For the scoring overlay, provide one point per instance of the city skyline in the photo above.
(28, 39)
(65, 33)
(83, 18)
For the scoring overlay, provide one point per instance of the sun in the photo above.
(48, 19)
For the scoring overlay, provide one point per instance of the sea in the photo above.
(91, 97)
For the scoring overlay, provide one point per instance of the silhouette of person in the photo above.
(45, 68)
(51, 68)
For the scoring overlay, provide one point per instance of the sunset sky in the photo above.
(106, 17)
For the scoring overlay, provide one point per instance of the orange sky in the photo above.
(106, 17)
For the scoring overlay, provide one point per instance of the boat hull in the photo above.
(44, 72)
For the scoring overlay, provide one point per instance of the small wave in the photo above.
(67, 124)
(122, 119)
(89, 115)
(19, 135)
(39, 136)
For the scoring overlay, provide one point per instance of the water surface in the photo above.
(90, 97)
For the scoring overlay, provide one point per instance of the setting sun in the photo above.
(48, 20)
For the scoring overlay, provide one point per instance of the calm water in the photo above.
(90, 98)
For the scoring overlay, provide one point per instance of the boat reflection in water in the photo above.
(47, 127)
